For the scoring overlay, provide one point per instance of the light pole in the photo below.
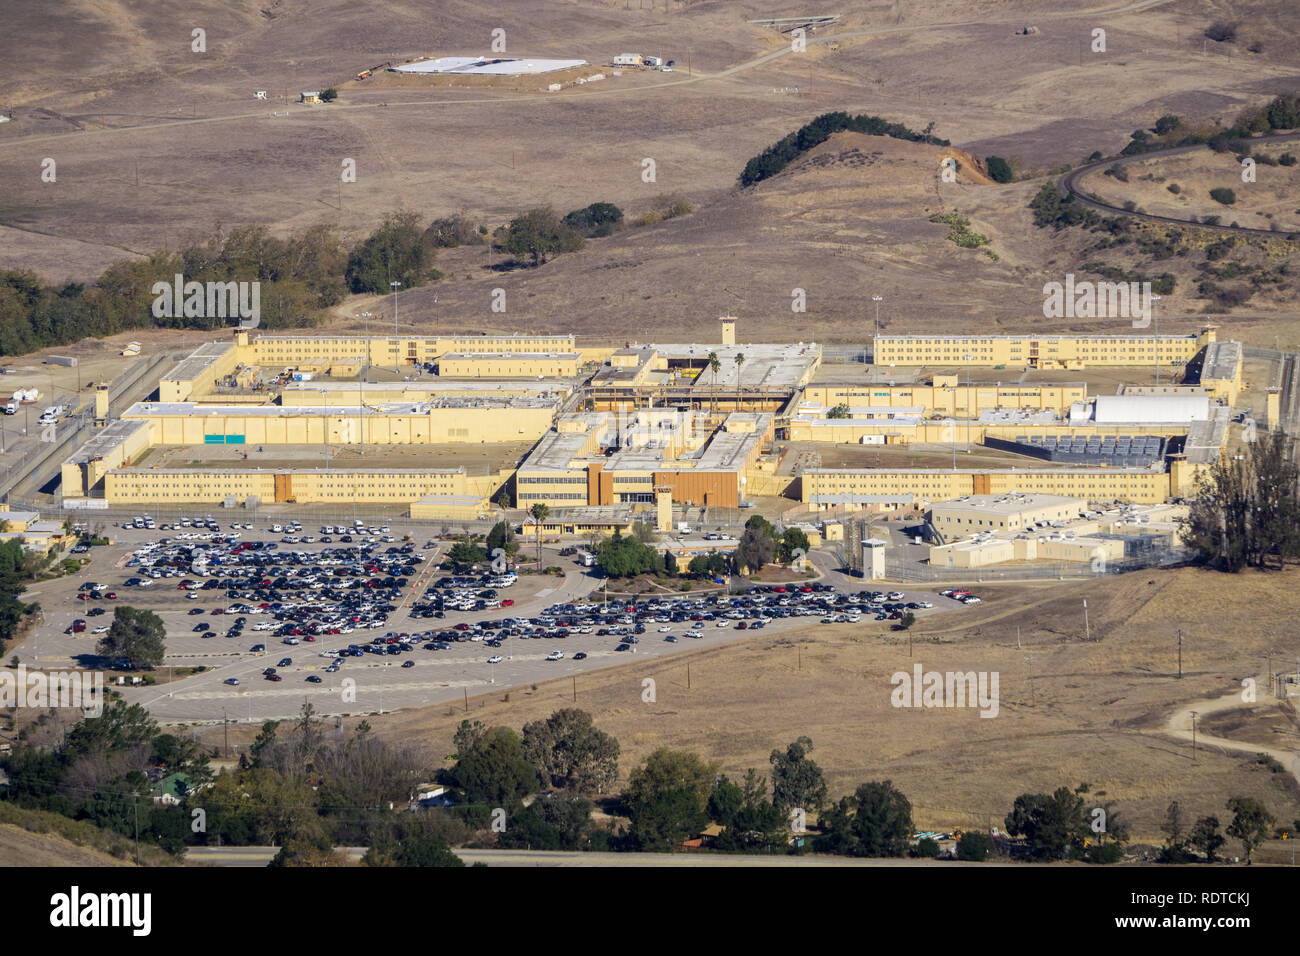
(1193, 736)
(1087, 630)
(967, 358)
(875, 358)
(397, 344)
(1155, 314)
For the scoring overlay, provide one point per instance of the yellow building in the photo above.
(302, 486)
(1041, 351)
(945, 395)
(508, 364)
(604, 458)
(288, 351)
(1014, 512)
(1096, 484)
(1221, 371)
(448, 420)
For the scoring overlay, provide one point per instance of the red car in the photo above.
(508, 602)
(83, 596)
(274, 677)
(111, 595)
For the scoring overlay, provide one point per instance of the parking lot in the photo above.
(363, 620)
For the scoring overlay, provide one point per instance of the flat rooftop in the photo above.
(532, 356)
(203, 409)
(1006, 504)
(200, 359)
(765, 365)
(486, 66)
(1222, 359)
(103, 441)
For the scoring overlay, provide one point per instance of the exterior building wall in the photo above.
(1045, 351)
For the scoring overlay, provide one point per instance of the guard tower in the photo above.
(101, 404)
(728, 329)
(873, 559)
(663, 508)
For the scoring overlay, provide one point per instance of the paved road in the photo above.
(1070, 183)
(262, 855)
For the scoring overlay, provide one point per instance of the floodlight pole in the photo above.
(397, 344)
(875, 357)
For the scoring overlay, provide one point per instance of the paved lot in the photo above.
(366, 684)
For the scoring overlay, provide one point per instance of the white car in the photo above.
(721, 624)
(555, 656)
(102, 629)
(496, 658)
(665, 630)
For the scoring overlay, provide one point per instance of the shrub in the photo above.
(1223, 195)
(328, 96)
(974, 845)
(1287, 159)
(1174, 188)
(999, 169)
(1221, 32)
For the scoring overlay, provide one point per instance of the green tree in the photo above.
(598, 219)
(496, 772)
(999, 169)
(136, 636)
(975, 846)
(1054, 825)
(739, 359)
(876, 821)
(1177, 837)
(715, 365)
(666, 798)
(397, 251)
(569, 751)
(329, 95)
(1206, 837)
(1223, 196)
(540, 513)
(554, 821)
(838, 411)
(539, 234)
(793, 540)
(797, 780)
(1251, 824)
(1247, 513)
(412, 851)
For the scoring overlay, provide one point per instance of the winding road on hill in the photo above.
(1070, 183)
(1180, 725)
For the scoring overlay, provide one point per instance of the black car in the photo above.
(580, 656)
(313, 679)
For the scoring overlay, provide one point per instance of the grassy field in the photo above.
(1072, 710)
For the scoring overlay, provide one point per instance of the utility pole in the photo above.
(1193, 736)
(397, 344)
(225, 727)
(875, 357)
(1087, 631)
(1180, 653)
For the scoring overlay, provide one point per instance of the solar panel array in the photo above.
(1120, 451)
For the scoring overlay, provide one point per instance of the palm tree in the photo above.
(714, 364)
(740, 360)
(539, 512)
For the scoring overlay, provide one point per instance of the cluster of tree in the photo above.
(1184, 839)
(464, 554)
(622, 556)
(1247, 513)
(1063, 825)
(15, 571)
(398, 251)
(564, 754)
(137, 637)
(1281, 113)
(780, 154)
(595, 221)
(1057, 208)
(298, 277)
(502, 536)
(838, 411)
(97, 770)
(761, 544)
(709, 566)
